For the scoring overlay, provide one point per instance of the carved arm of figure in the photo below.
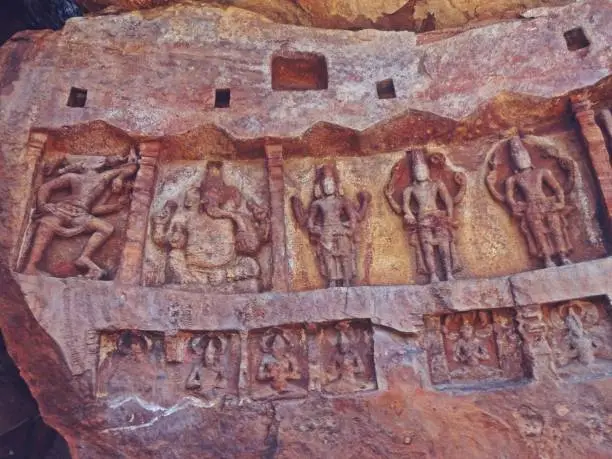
(294, 369)
(351, 224)
(263, 372)
(446, 199)
(313, 228)
(358, 365)
(549, 179)
(299, 212)
(45, 190)
(517, 208)
(409, 217)
(389, 190)
(364, 198)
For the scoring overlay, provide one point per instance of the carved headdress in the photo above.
(323, 172)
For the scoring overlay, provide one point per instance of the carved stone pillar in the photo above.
(36, 144)
(538, 353)
(598, 153)
(436, 355)
(276, 183)
(130, 270)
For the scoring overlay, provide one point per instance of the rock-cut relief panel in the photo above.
(346, 357)
(536, 193)
(79, 214)
(210, 229)
(473, 347)
(331, 221)
(424, 190)
(164, 368)
(579, 334)
(278, 363)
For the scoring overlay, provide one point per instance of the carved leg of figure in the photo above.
(44, 236)
(447, 264)
(102, 231)
(538, 230)
(430, 262)
(555, 222)
(347, 269)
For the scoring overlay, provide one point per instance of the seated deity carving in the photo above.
(73, 201)
(208, 374)
(428, 210)
(279, 371)
(470, 346)
(332, 223)
(345, 370)
(215, 240)
(537, 198)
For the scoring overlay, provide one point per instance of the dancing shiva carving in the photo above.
(332, 221)
(536, 197)
(412, 193)
(71, 203)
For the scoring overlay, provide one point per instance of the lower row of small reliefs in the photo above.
(208, 234)
(571, 339)
(283, 362)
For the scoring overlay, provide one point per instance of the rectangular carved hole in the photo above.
(385, 89)
(222, 98)
(299, 72)
(77, 97)
(576, 39)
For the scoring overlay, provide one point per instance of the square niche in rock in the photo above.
(299, 72)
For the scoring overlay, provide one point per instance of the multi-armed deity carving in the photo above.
(278, 369)
(475, 345)
(422, 195)
(78, 192)
(332, 222)
(215, 240)
(536, 196)
(579, 336)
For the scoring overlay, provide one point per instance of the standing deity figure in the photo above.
(332, 222)
(89, 184)
(429, 226)
(537, 199)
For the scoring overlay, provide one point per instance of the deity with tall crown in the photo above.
(429, 226)
(332, 221)
(537, 198)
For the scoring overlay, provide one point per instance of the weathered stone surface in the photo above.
(267, 286)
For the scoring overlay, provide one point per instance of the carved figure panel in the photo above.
(474, 346)
(580, 336)
(536, 194)
(278, 363)
(166, 367)
(215, 364)
(207, 234)
(79, 213)
(130, 363)
(347, 357)
(331, 220)
(424, 191)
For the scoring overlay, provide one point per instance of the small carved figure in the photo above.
(332, 221)
(573, 337)
(346, 365)
(91, 183)
(211, 240)
(537, 199)
(278, 367)
(428, 226)
(468, 348)
(208, 373)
